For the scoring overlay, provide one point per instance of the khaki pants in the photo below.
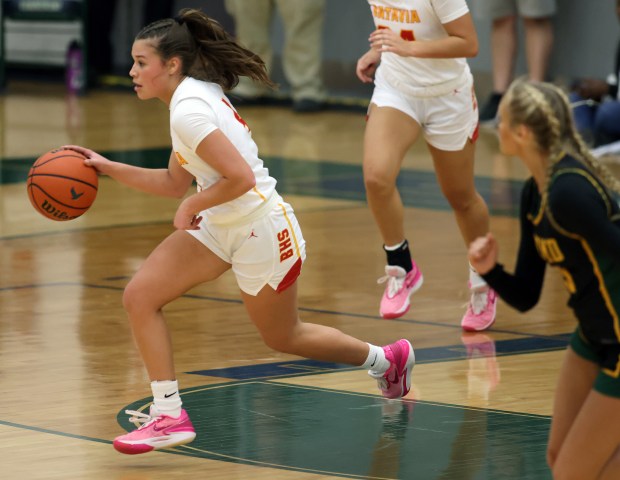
(303, 30)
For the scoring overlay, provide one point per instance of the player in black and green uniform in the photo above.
(570, 219)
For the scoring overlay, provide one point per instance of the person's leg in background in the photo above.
(503, 15)
(253, 20)
(504, 51)
(451, 133)
(536, 15)
(389, 134)
(302, 55)
(538, 45)
(538, 28)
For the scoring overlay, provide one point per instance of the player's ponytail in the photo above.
(206, 50)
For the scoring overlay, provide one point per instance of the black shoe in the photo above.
(488, 114)
(307, 105)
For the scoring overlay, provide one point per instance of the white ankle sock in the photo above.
(391, 248)
(166, 397)
(376, 360)
(475, 280)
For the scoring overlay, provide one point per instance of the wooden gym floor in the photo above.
(480, 404)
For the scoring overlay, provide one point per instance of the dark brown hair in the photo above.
(206, 50)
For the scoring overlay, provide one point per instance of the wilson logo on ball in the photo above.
(51, 211)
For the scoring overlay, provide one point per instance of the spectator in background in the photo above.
(536, 15)
(303, 28)
(596, 105)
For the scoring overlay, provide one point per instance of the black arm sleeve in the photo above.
(580, 206)
(521, 290)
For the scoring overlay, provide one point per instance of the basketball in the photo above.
(60, 186)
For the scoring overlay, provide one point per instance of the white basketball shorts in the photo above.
(268, 250)
(447, 120)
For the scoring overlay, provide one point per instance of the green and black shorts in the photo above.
(606, 356)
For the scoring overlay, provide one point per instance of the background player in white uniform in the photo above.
(423, 85)
(236, 220)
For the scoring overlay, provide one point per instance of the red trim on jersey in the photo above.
(290, 277)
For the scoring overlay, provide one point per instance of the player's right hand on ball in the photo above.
(93, 159)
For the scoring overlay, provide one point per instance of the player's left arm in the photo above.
(461, 42)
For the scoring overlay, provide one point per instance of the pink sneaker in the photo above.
(480, 313)
(396, 381)
(400, 286)
(158, 431)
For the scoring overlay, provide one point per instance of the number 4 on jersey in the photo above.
(404, 34)
(237, 116)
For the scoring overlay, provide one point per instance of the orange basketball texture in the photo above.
(60, 186)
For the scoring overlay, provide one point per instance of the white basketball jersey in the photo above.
(197, 109)
(419, 20)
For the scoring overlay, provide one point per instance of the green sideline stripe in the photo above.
(323, 179)
(52, 432)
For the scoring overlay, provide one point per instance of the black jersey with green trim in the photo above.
(576, 228)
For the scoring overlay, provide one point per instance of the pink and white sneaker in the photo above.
(395, 382)
(400, 286)
(157, 431)
(480, 313)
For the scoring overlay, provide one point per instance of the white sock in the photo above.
(475, 280)
(376, 360)
(391, 248)
(166, 397)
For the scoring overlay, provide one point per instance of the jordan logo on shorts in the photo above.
(252, 234)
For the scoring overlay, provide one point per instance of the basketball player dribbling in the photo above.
(236, 220)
